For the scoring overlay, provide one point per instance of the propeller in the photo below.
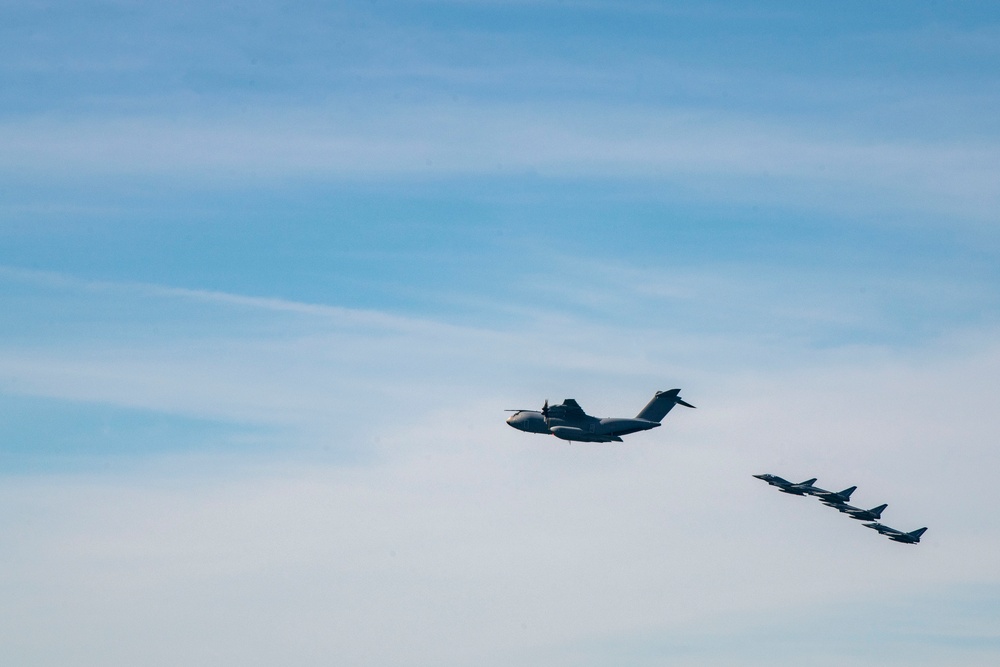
(545, 409)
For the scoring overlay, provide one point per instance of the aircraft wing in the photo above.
(840, 507)
(884, 529)
(572, 410)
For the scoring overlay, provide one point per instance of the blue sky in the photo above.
(271, 273)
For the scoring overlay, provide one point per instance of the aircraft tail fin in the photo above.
(846, 493)
(918, 532)
(808, 482)
(877, 511)
(662, 403)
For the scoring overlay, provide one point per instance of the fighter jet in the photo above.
(800, 489)
(831, 496)
(874, 514)
(897, 535)
(807, 488)
(568, 421)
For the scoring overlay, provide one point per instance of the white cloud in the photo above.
(465, 541)
(470, 540)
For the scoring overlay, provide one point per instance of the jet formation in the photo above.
(568, 421)
(838, 500)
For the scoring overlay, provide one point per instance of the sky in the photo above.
(272, 272)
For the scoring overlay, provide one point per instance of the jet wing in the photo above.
(841, 507)
(884, 529)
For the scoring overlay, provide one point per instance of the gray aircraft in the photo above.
(897, 535)
(800, 489)
(568, 421)
(874, 514)
(832, 496)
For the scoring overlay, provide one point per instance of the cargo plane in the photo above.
(568, 421)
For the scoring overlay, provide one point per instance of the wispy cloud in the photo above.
(714, 155)
(313, 368)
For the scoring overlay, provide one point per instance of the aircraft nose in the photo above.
(519, 421)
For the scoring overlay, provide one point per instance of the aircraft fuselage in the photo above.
(585, 429)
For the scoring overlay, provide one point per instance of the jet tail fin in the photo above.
(918, 532)
(877, 511)
(662, 403)
(846, 493)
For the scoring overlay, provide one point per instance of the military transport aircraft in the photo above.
(897, 535)
(874, 514)
(800, 489)
(568, 421)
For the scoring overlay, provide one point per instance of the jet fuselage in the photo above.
(783, 485)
